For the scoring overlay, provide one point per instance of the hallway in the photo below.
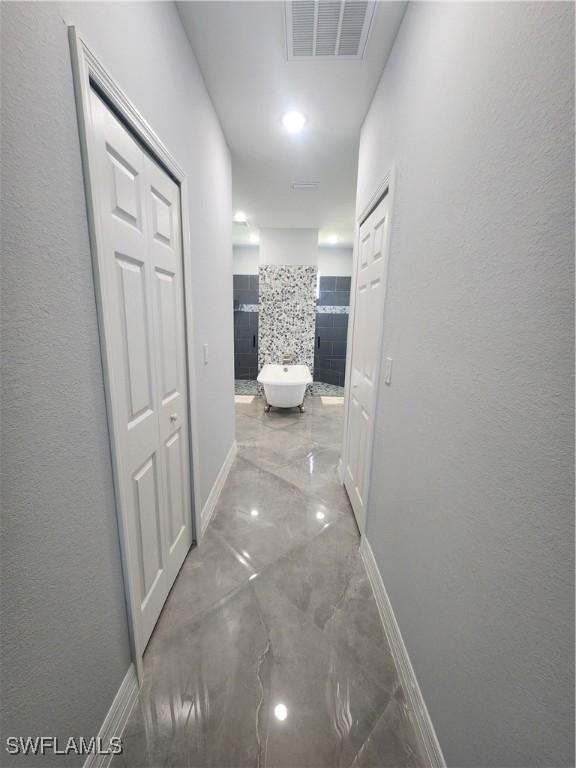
(371, 200)
(270, 650)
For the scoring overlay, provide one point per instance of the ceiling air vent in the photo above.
(305, 186)
(327, 29)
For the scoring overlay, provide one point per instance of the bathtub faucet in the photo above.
(287, 358)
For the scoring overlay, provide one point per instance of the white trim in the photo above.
(88, 65)
(387, 185)
(340, 470)
(192, 380)
(416, 702)
(116, 718)
(87, 70)
(378, 192)
(212, 499)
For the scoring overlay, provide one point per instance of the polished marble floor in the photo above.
(269, 652)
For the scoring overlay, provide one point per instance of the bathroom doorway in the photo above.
(328, 322)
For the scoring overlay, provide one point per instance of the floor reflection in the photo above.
(270, 650)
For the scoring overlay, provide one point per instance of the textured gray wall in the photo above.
(144, 47)
(64, 632)
(471, 508)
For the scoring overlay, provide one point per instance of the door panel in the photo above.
(141, 289)
(167, 305)
(135, 336)
(369, 297)
(162, 217)
(175, 475)
(146, 506)
(125, 189)
(162, 200)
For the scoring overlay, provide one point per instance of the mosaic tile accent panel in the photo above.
(287, 314)
(332, 310)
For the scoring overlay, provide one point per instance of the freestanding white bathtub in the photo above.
(285, 385)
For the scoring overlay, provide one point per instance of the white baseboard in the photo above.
(408, 679)
(212, 500)
(116, 718)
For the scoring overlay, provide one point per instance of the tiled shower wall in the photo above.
(246, 302)
(331, 330)
(287, 314)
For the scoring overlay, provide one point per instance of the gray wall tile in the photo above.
(333, 334)
(246, 327)
(241, 282)
(338, 364)
(241, 346)
(343, 284)
(327, 283)
(330, 356)
(341, 298)
(246, 296)
(326, 298)
(325, 320)
(339, 349)
(340, 321)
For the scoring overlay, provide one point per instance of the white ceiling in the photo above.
(240, 47)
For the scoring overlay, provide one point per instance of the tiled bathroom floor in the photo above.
(246, 387)
(270, 651)
(321, 388)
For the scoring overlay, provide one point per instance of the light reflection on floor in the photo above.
(270, 650)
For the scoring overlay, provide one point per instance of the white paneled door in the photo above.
(369, 297)
(142, 317)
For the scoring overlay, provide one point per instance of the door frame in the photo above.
(386, 187)
(87, 71)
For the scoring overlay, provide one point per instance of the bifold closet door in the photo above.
(142, 316)
(369, 297)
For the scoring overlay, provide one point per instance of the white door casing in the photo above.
(369, 295)
(89, 74)
(142, 310)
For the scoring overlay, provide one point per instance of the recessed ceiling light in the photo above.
(254, 238)
(333, 239)
(281, 712)
(240, 217)
(294, 121)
